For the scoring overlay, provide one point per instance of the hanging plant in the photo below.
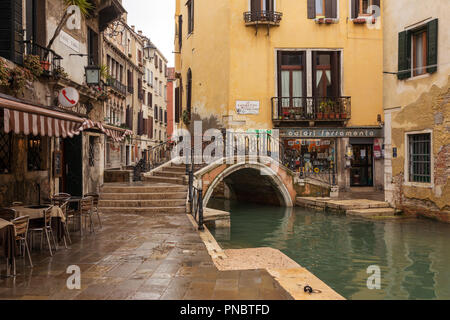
(33, 64)
(59, 73)
(186, 117)
(18, 78)
(4, 74)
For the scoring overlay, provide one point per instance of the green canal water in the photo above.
(413, 255)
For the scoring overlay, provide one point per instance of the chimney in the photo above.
(140, 32)
(132, 27)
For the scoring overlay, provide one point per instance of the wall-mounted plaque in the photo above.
(247, 107)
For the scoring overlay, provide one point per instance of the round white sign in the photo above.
(68, 97)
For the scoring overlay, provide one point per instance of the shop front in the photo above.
(347, 157)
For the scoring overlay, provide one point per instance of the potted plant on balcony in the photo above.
(298, 114)
(59, 73)
(292, 114)
(4, 74)
(285, 115)
(331, 106)
(33, 64)
(321, 111)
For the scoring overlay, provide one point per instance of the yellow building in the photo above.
(312, 69)
(417, 106)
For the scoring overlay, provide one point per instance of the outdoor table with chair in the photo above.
(20, 223)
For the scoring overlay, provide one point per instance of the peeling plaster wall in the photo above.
(414, 105)
(430, 111)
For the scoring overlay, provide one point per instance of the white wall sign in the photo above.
(69, 41)
(68, 97)
(247, 107)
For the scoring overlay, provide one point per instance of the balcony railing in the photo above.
(117, 86)
(50, 61)
(262, 17)
(295, 109)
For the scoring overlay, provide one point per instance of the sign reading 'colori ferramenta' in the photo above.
(332, 133)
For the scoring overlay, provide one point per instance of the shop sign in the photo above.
(68, 97)
(332, 133)
(247, 107)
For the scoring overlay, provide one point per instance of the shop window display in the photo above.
(309, 155)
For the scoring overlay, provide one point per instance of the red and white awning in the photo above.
(117, 134)
(28, 119)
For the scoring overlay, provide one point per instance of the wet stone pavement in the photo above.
(137, 257)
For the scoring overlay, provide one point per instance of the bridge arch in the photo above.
(220, 173)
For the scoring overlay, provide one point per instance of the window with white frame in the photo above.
(419, 157)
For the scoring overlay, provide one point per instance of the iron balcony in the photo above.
(290, 110)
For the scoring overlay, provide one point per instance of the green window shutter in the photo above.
(404, 55)
(432, 57)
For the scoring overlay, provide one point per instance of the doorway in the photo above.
(72, 179)
(361, 173)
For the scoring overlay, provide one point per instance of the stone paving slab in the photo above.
(137, 257)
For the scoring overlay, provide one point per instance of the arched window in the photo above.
(189, 91)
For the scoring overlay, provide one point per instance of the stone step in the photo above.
(175, 170)
(389, 212)
(168, 174)
(143, 196)
(145, 189)
(141, 203)
(153, 210)
(156, 179)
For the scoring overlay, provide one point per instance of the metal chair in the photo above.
(87, 204)
(8, 214)
(17, 204)
(96, 197)
(21, 232)
(46, 229)
(59, 198)
(66, 230)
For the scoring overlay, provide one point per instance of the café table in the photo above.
(36, 214)
(7, 243)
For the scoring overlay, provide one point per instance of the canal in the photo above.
(413, 255)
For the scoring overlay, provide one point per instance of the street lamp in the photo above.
(92, 75)
(149, 50)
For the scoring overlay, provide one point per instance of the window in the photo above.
(419, 146)
(322, 8)
(150, 99)
(361, 7)
(326, 74)
(419, 44)
(418, 50)
(160, 65)
(190, 8)
(292, 78)
(156, 112)
(364, 6)
(5, 149)
(34, 155)
(91, 151)
(93, 47)
(261, 5)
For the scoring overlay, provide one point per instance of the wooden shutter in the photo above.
(311, 9)
(269, 5)
(177, 105)
(11, 39)
(376, 3)
(334, 9)
(355, 9)
(279, 56)
(150, 127)
(404, 55)
(331, 8)
(432, 44)
(336, 73)
(180, 31)
(256, 6)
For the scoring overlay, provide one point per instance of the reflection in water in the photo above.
(412, 254)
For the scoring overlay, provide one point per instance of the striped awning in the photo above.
(117, 134)
(28, 119)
